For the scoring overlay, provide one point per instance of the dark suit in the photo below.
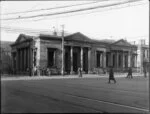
(111, 75)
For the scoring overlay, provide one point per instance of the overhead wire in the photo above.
(28, 11)
(30, 30)
(18, 29)
(111, 8)
(71, 11)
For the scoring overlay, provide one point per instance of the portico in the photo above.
(76, 57)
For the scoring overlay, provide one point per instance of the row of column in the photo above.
(120, 59)
(81, 58)
(23, 59)
(125, 59)
(102, 59)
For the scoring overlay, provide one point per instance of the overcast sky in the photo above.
(131, 22)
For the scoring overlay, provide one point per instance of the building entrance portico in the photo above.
(118, 59)
(76, 57)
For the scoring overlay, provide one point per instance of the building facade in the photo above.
(93, 56)
(143, 55)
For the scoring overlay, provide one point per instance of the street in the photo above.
(75, 95)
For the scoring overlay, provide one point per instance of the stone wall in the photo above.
(44, 45)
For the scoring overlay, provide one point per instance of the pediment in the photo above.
(21, 38)
(122, 43)
(78, 37)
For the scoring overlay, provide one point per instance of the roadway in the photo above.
(75, 95)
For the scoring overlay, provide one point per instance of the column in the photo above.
(20, 66)
(111, 59)
(117, 59)
(136, 60)
(71, 57)
(123, 60)
(95, 58)
(129, 59)
(64, 60)
(101, 60)
(89, 60)
(104, 59)
(22, 59)
(25, 67)
(17, 59)
(81, 58)
(29, 58)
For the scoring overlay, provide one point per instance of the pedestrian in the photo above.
(129, 75)
(30, 71)
(111, 75)
(80, 72)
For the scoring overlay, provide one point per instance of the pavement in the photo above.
(117, 75)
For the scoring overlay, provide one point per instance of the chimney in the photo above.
(54, 31)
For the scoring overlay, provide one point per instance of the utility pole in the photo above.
(149, 58)
(62, 72)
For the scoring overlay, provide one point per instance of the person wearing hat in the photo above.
(111, 75)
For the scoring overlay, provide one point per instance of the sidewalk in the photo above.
(117, 75)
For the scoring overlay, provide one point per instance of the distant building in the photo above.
(143, 55)
(45, 51)
(5, 57)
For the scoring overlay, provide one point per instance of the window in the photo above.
(98, 59)
(119, 60)
(114, 60)
(126, 61)
(34, 58)
(51, 58)
(107, 59)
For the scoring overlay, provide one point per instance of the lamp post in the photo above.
(62, 72)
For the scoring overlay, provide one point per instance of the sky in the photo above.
(130, 22)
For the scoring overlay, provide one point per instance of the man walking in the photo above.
(129, 73)
(80, 72)
(111, 75)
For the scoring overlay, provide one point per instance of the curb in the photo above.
(63, 77)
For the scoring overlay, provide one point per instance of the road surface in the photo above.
(75, 95)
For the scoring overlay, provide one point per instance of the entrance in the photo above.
(75, 62)
(67, 63)
(85, 62)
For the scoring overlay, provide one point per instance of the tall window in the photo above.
(35, 57)
(98, 59)
(50, 57)
(114, 60)
(107, 58)
(126, 61)
(119, 60)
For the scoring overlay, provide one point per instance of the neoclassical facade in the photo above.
(45, 51)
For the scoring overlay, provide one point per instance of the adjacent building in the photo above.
(93, 56)
(5, 57)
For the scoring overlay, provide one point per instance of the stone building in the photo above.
(45, 51)
(5, 57)
(143, 55)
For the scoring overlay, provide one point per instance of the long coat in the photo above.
(111, 74)
(130, 71)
